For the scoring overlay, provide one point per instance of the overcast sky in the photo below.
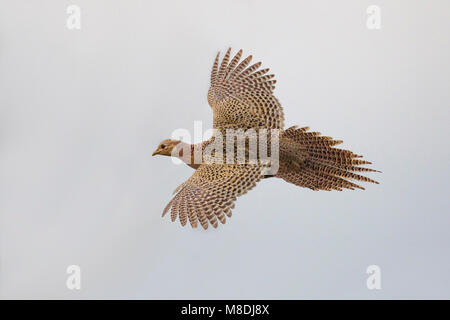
(82, 110)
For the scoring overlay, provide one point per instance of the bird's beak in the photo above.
(155, 153)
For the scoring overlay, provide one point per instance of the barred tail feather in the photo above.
(323, 167)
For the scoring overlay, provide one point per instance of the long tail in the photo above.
(320, 166)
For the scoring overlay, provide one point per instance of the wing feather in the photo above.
(208, 196)
(241, 96)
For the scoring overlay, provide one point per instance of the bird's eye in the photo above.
(163, 146)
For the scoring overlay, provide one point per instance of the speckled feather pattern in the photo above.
(241, 97)
(209, 194)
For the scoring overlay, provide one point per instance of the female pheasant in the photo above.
(241, 97)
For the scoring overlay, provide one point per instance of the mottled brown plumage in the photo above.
(241, 97)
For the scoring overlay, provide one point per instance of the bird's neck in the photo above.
(191, 154)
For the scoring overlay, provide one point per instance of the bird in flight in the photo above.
(241, 98)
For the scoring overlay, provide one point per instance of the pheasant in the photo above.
(241, 98)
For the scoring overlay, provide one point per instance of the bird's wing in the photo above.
(209, 194)
(241, 95)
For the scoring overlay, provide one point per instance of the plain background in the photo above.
(81, 112)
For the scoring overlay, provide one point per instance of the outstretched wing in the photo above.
(209, 194)
(241, 95)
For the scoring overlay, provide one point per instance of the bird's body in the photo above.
(242, 100)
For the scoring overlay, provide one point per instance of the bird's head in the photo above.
(165, 148)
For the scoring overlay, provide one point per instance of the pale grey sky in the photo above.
(82, 110)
